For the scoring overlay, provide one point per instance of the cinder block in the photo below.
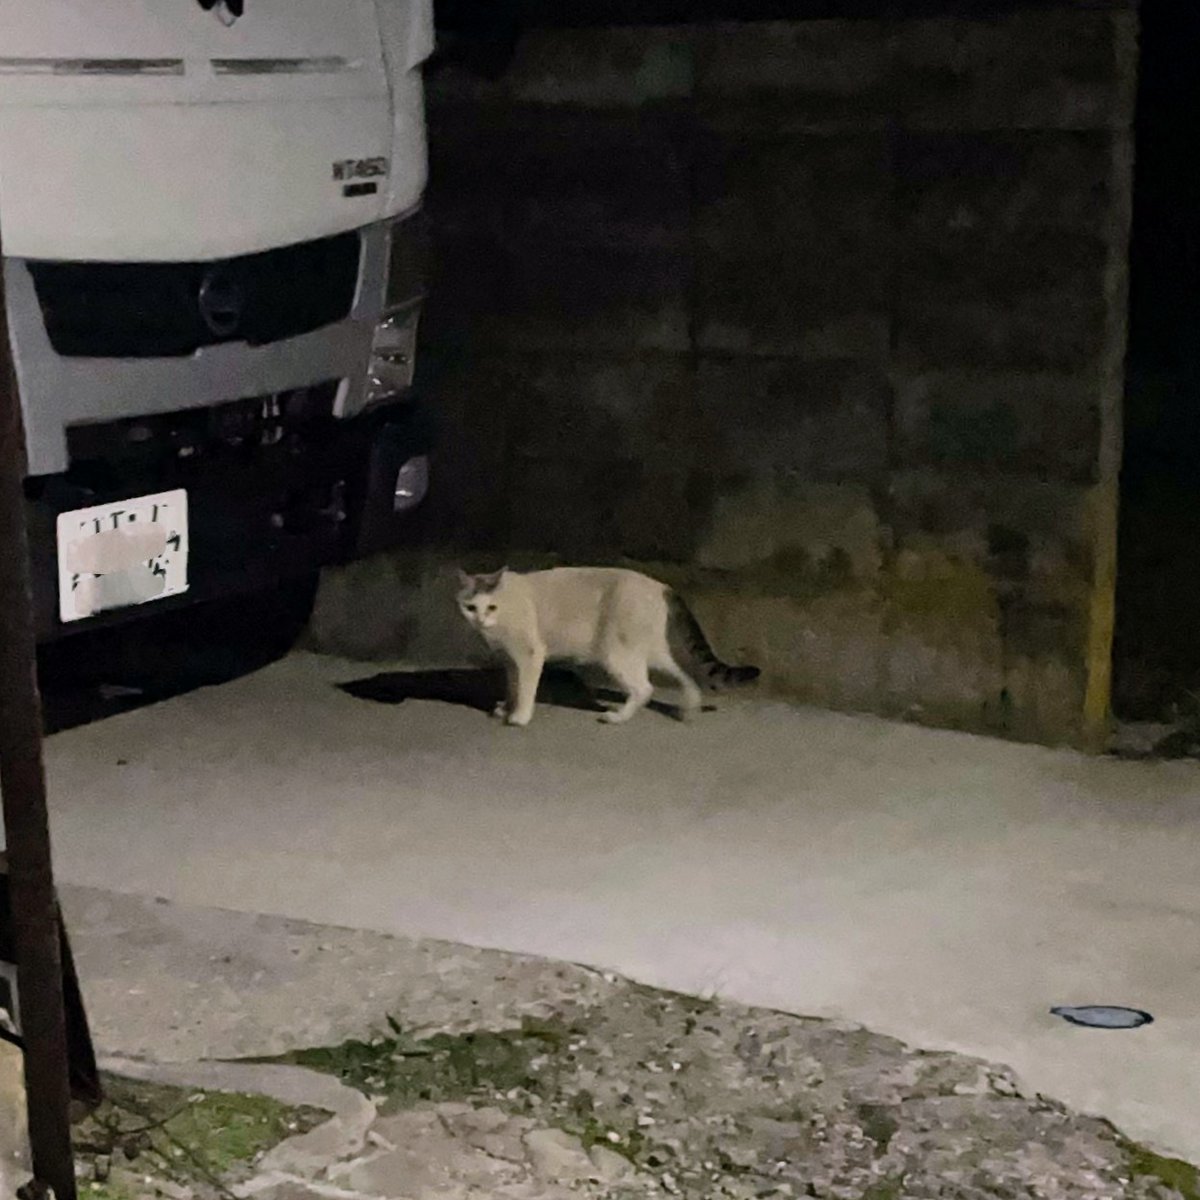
(829, 652)
(1004, 250)
(1033, 539)
(793, 190)
(587, 178)
(825, 651)
(791, 305)
(793, 246)
(823, 75)
(559, 299)
(567, 507)
(811, 420)
(1004, 181)
(1041, 331)
(1003, 269)
(1042, 630)
(1058, 69)
(734, 622)
(469, 290)
(1040, 424)
(835, 526)
(944, 659)
(1044, 700)
(603, 407)
(591, 300)
(741, 528)
(794, 538)
(582, 68)
(396, 607)
(655, 517)
(473, 397)
(560, 228)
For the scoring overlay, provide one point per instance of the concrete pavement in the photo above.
(941, 888)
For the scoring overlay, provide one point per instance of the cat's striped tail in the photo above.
(712, 671)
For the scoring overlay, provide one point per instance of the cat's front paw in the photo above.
(518, 718)
(501, 709)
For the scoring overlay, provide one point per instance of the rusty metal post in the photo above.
(26, 823)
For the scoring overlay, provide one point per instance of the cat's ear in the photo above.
(464, 579)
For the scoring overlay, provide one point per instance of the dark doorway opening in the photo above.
(1156, 662)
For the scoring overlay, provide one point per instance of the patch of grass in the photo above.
(878, 1124)
(578, 1116)
(232, 1129)
(103, 1191)
(884, 1189)
(189, 1137)
(407, 1070)
(505, 1068)
(1172, 1172)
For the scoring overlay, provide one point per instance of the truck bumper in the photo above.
(267, 504)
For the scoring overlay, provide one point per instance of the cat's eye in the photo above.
(491, 608)
(472, 608)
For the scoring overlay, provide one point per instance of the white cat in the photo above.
(620, 620)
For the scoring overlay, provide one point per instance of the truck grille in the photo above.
(235, 429)
(167, 310)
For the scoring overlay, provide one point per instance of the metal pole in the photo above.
(26, 824)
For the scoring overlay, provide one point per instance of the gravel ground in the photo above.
(644, 1093)
(470, 1074)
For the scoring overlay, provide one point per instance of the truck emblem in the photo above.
(227, 11)
(220, 301)
(360, 168)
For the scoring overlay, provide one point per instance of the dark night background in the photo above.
(1157, 653)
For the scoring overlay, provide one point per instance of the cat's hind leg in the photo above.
(690, 699)
(631, 672)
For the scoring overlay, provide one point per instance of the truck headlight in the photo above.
(394, 352)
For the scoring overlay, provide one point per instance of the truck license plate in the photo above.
(118, 555)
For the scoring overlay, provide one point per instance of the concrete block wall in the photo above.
(822, 321)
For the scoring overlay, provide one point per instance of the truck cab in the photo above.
(213, 274)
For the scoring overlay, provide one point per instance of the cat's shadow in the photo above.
(481, 688)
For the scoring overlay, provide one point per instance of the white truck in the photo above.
(209, 213)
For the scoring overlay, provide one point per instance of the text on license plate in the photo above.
(120, 554)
